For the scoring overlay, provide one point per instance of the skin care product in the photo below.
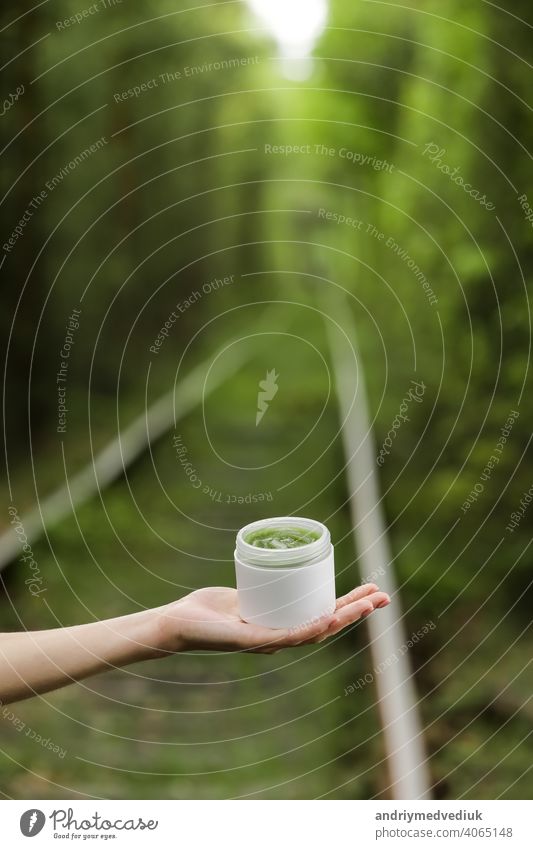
(285, 572)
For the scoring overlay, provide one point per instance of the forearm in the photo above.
(37, 661)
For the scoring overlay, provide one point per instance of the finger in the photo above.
(356, 594)
(318, 634)
(308, 631)
(288, 637)
(349, 614)
(321, 637)
(337, 626)
(266, 651)
(355, 611)
(268, 640)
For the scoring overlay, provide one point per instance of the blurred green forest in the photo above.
(190, 183)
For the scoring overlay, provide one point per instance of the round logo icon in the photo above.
(32, 822)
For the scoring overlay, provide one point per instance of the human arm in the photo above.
(34, 662)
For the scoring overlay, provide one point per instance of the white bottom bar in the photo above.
(267, 824)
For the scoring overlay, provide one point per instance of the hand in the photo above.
(209, 619)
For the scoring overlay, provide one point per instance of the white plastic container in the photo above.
(285, 588)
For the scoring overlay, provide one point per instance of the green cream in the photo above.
(280, 538)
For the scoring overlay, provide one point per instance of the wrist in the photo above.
(139, 637)
(167, 632)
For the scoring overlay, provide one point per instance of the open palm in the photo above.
(209, 619)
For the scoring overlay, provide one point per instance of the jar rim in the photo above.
(303, 555)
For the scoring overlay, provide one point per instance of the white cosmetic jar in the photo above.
(288, 587)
